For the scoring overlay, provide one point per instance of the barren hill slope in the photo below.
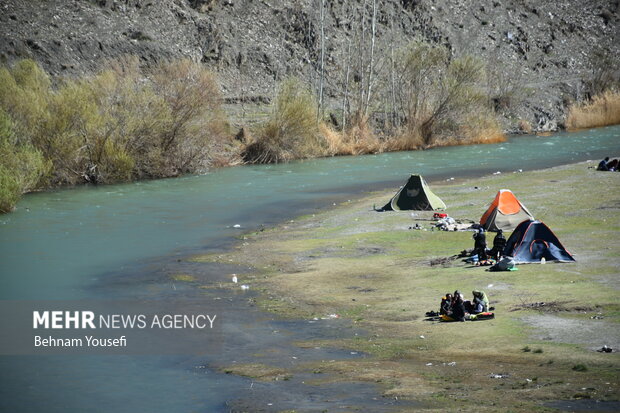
(540, 54)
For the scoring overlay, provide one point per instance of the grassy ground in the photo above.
(369, 267)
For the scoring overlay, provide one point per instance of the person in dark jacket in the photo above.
(480, 245)
(458, 309)
(602, 165)
(499, 242)
(446, 304)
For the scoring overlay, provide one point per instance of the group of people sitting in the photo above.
(454, 307)
(607, 165)
(485, 256)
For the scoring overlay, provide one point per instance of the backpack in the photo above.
(505, 263)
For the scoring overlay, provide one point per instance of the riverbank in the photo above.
(62, 135)
(355, 264)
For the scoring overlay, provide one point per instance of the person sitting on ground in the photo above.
(612, 165)
(446, 304)
(476, 307)
(468, 306)
(499, 242)
(480, 303)
(602, 165)
(458, 309)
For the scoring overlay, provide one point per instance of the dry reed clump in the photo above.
(333, 140)
(476, 129)
(481, 128)
(602, 110)
(358, 139)
(361, 138)
(407, 140)
(525, 126)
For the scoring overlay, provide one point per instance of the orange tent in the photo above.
(505, 212)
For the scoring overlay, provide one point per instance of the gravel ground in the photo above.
(590, 333)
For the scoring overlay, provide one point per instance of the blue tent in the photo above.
(533, 240)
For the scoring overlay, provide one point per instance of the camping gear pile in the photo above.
(531, 241)
(447, 223)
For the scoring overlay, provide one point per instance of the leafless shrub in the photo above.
(442, 99)
(292, 131)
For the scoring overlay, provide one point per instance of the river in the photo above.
(122, 241)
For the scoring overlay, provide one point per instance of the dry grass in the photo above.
(480, 129)
(525, 126)
(407, 140)
(476, 129)
(602, 110)
(334, 139)
(359, 139)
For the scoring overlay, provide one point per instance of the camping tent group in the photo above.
(530, 240)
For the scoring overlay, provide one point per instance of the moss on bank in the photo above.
(369, 268)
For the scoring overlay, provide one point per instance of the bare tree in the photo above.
(346, 12)
(361, 48)
(371, 60)
(345, 97)
(392, 74)
(322, 64)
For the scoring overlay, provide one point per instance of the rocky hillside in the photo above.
(540, 55)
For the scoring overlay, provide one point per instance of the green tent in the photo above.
(415, 194)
